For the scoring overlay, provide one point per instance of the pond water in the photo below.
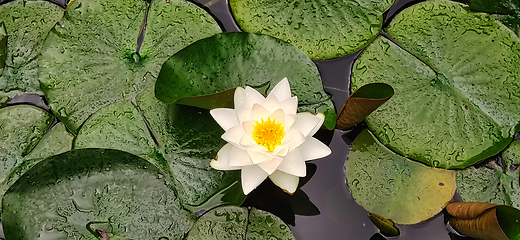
(323, 208)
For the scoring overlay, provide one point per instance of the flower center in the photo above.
(268, 134)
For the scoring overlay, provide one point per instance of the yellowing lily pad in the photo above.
(394, 187)
(89, 59)
(456, 79)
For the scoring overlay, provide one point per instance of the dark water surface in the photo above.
(323, 208)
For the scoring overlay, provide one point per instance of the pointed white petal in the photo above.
(252, 97)
(249, 126)
(270, 166)
(240, 97)
(258, 157)
(294, 164)
(289, 105)
(282, 90)
(221, 162)
(312, 148)
(295, 139)
(249, 143)
(251, 177)
(281, 151)
(243, 114)
(306, 123)
(289, 120)
(233, 135)
(271, 103)
(285, 181)
(225, 117)
(318, 126)
(258, 112)
(278, 116)
(238, 157)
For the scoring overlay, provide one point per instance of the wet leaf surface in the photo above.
(88, 60)
(455, 98)
(321, 29)
(232, 222)
(231, 60)
(497, 182)
(27, 23)
(108, 190)
(396, 188)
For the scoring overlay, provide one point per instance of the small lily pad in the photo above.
(394, 187)
(89, 59)
(239, 223)
(493, 183)
(455, 75)
(321, 29)
(238, 59)
(107, 190)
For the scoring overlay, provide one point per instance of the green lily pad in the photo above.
(27, 23)
(107, 190)
(21, 127)
(394, 187)
(89, 59)
(321, 29)
(3, 46)
(493, 183)
(496, 6)
(232, 222)
(236, 59)
(456, 81)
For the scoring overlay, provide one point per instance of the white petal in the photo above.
(222, 160)
(225, 117)
(251, 177)
(295, 139)
(233, 135)
(289, 105)
(271, 103)
(249, 126)
(240, 97)
(243, 114)
(312, 148)
(252, 97)
(270, 166)
(258, 157)
(282, 90)
(306, 123)
(318, 126)
(289, 120)
(285, 181)
(281, 151)
(278, 116)
(238, 157)
(258, 112)
(294, 164)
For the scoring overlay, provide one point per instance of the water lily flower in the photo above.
(268, 138)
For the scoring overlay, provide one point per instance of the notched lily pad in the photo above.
(396, 188)
(239, 59)
(89, 61)
(91, 187)
(455, 79)
(497, 182)
(321, 29)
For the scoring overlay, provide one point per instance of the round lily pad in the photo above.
(456, 79)
(232, 222)
(89, 59)
(81, 193)
(496, 182)
(238, 59)
(321, 29)
(394, 187)
(27, 23)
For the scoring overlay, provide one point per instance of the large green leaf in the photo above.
(507, 11)
(27, 23)
(75, 194)
(21, 127)
(239, 223)
(493, 183)
(321, 29)
(89, 59)
(395, 187)
(456, 81)
(231, 60)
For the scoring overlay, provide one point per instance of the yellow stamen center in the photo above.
(268, 134)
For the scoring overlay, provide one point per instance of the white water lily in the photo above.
(267, 138)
